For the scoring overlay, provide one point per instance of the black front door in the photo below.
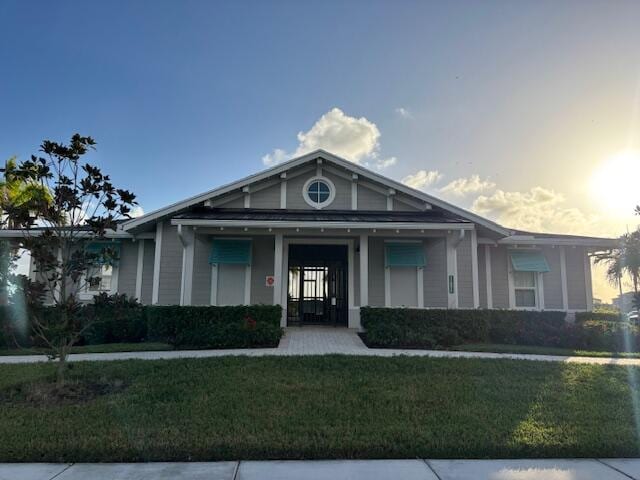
(317, 289)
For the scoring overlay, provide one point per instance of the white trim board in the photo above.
(317, 225)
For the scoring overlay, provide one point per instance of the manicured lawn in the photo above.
(104, 348)
(323, 407)
(500, 348)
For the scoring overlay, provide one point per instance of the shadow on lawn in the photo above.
(580, 412)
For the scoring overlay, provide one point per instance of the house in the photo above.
(322, 237)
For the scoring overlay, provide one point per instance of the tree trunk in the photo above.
(620, 288)
(61, 369)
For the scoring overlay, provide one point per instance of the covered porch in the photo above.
(323, 267)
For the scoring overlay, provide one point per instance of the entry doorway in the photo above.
(317, 286)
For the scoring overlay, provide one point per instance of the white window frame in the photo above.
(328, 201)
(538, 290)
(86, 294)
(419, 278)
(213, 288)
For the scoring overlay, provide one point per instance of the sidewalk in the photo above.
(318, 341)
(583, 469)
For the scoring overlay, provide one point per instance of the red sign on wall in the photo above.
(270, 280)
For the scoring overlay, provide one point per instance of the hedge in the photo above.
(215, 327)
(419, 328)
(118, 319)
(582, 317)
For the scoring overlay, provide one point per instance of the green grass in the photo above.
(325, 407)
(104, 348)
(501, 348)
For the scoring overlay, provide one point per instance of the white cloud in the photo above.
(136, 211)
(465, 186)
(539, 210)
(404, 112)
(276, 157)
(383, 163)
(422, 179)
(355, 139)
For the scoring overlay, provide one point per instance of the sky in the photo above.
(526, 112)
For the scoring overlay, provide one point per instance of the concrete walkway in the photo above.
(318, 341)
(584, 469)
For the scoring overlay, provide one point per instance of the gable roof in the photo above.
(309, 157)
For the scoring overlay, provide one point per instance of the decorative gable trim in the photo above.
(309, 157)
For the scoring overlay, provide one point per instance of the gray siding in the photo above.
(343, 192)
(229, 202)
(128, 267)
(376, 272)
(465, 277)
(435, 273)
(170, 267)
(294, 192)
(370, 200)
(266, 198)
(399, 205)
(552, 280)
(262, 265)
(147, 271)
(201, 290)
(576, 287)
(482, 277)
(499, 277)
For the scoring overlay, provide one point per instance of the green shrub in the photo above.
(215, 327)
(582, 317)
(115, 319)
(607, 336)
(399, 327)
(406, 327)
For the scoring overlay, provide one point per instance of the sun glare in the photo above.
(614, 184)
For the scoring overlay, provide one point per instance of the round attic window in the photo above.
(319, 192)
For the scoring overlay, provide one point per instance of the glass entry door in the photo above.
(317, 287)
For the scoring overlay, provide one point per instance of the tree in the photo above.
(84, 205)
(16, 193)
(631, 257)
(20, 193)
(614, 266)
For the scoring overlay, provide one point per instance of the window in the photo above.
(99, 279)
(318, 192)
(525, 287)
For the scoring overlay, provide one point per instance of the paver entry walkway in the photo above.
(318, 341)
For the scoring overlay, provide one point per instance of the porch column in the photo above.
(587, 280)
(474, 269)
(155, 295)
(277, 270)
(187, 238)
(364, 270)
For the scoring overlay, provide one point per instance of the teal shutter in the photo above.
(98, 248)
(529, 262)
(236, 252)
(404, 255)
